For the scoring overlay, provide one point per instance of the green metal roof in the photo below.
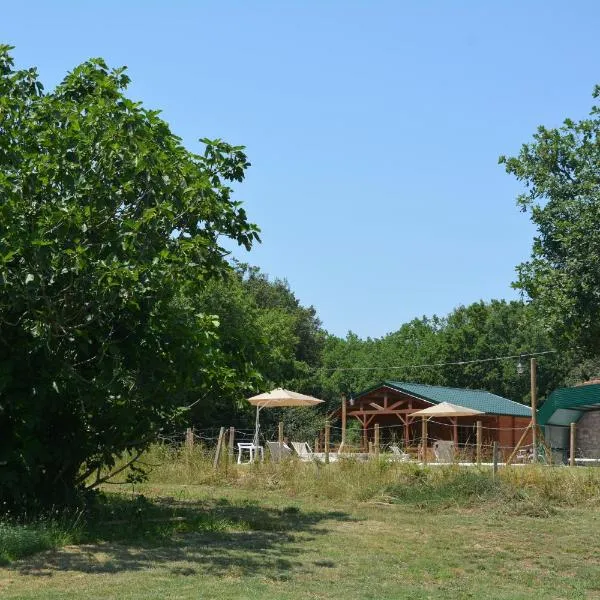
(477, 399)
(566, 405)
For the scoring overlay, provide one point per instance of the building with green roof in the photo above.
(391, 403)
(580, 405)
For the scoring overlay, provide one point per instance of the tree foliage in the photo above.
(469, 333)
(106, 223)
(561, 169)
(266, 338)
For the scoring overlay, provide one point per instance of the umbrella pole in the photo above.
(256, 427)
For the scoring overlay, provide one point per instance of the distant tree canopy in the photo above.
(480, 330)
(108, 225)
(561, 169)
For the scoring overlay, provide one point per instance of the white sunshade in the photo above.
(281, 397)
(278, 398)
(445, 409)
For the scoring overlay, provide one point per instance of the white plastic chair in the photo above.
(252, 451)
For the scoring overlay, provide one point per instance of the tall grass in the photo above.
(534, 491)
(384, 481)
(25, 536)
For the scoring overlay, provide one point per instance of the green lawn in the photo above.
(228, 542)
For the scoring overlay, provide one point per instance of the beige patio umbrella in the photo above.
(443, 409)
(279, 398)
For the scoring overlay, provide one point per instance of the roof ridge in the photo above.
(446, 387)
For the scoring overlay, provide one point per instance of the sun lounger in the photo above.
(398, 455)
(279, 451)
(305, 453)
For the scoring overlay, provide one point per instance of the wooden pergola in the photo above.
(392, 406)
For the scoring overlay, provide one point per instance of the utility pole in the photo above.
(534, 407)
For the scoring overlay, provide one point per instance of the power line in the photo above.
(441, 364)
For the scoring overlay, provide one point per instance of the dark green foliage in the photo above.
(561, 169)
(106, 222)
(469, 333)
(266, 339)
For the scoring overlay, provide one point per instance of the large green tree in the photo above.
(561, 170)
(266, 338)
(106, 223)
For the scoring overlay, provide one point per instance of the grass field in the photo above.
(358, 531)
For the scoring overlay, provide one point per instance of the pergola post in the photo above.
(424, 438)
(479, 442)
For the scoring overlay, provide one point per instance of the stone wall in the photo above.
(587, 440)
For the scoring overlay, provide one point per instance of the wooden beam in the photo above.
(395, 404)
(377, 406)
(361, 421)
(516, 448)
(369, 421)
(384, 411)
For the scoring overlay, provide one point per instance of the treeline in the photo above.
(268, 339)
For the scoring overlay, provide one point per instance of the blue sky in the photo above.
(373, 128)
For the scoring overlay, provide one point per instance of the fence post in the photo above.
(495, 457)
(231, 443)
(478, 443)
(327, 441)
(572, 446)
(280, 438)
(219, 446)
(343, 423)
(376, 439)
(189, 438)
(424, 438)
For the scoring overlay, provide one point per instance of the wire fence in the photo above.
(448, 443)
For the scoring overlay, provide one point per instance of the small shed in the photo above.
(391, 404)
(579, 404)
